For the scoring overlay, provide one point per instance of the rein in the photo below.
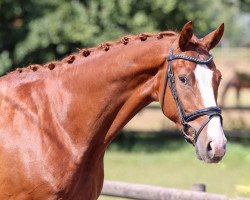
(186, 118)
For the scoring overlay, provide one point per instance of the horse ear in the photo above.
(213, 38)
(185, 35)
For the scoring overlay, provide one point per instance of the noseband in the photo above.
(186, 118)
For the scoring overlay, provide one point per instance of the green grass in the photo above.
(173, 164)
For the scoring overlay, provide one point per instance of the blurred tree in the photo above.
(34, 31)
(245, 5)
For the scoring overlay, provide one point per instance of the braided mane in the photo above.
(86, 52)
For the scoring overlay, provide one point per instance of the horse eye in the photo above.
(183, 80)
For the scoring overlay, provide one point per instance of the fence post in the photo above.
(200, 187)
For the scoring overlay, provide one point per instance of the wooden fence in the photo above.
(237, 108)
(146, 192)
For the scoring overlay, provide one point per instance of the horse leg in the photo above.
(238, 96)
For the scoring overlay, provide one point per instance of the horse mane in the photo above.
(86, 52)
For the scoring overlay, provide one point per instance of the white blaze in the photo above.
(204, 77)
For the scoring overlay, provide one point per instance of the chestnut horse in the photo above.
(57, 119)
(238, 81)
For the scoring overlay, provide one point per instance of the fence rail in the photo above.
(222, 107)
(236, 108)
(146, 192)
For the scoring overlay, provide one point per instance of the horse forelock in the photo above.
(105, 47)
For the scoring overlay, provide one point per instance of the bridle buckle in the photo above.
(188, 132)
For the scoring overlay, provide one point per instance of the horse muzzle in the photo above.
(211, 149)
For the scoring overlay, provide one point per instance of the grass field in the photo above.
(162, 161)
(172, 163)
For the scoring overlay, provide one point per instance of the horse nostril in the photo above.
(209, 148)
(210, 151)
(215, 151)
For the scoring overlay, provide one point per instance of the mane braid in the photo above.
(105, 46)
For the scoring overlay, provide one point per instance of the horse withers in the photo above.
(57, 119)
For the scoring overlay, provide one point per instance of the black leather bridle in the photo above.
(186, 118)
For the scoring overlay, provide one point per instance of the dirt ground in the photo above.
(153, 120)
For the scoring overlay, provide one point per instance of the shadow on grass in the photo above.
(148, 142)
(160, 141)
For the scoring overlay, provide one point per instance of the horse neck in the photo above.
(115, 85)
(88, 101)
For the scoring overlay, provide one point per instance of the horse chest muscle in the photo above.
(34, 164)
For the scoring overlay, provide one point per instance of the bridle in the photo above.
(186, 118)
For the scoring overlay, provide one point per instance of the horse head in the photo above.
(190, 87)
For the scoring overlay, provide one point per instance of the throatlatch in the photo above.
(185, 118)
